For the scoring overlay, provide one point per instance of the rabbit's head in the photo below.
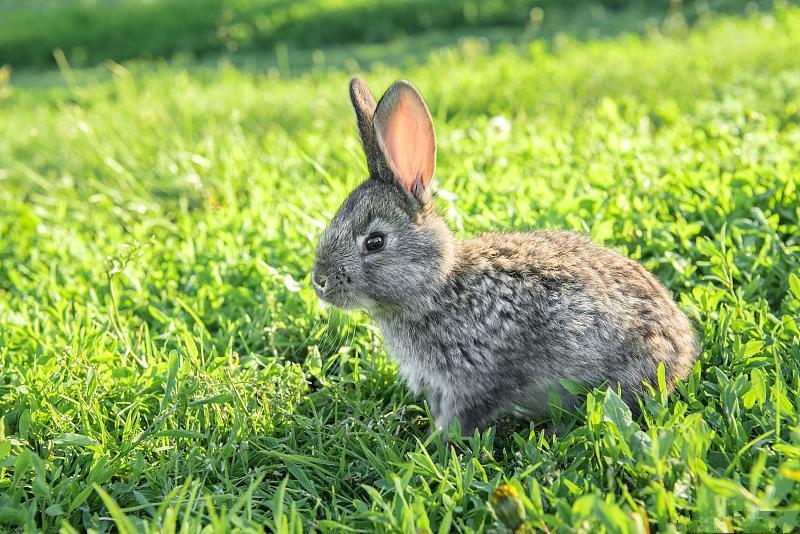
(386, 245)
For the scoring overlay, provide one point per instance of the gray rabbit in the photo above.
(490, 325)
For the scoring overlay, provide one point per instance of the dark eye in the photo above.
(374, 242)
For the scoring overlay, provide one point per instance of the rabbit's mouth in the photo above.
(335, 295)
(339, 299)
(340, 296)
(333, 286)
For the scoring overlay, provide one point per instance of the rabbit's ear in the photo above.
(364, 106)
(404, 131)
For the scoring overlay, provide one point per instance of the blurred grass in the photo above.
(163, 361)
(91, 31)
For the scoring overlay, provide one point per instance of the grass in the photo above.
(92, 31)
(164, 364)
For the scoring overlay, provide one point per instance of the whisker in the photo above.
(338, 353)
(331, 332)
(302, 344)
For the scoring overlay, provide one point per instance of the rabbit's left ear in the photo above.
(404, 131)
(364, 106)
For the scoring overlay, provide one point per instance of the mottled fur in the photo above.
(491, 325)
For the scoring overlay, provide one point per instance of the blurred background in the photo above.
(285, 33)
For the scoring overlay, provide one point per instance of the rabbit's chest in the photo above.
(425, 361)
(422, 373)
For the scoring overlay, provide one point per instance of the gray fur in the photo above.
(364, 106)
(488, 326)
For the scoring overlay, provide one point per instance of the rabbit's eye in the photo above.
(374, 242)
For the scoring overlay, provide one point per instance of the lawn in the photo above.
(164, 363)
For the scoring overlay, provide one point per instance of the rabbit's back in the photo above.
(611, 303)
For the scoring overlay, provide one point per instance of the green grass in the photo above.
(163, 360)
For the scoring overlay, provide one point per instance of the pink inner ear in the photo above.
(408, 140)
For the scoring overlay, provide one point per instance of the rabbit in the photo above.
(493, 325)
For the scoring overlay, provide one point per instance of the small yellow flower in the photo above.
(507, 506)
